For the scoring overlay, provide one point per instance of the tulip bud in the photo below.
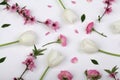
(89, 46)
(70, 16)
(116, 27)
(54, 58)
(28, 38)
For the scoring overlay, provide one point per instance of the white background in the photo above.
(15, 54)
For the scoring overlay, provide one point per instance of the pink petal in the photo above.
(89, 0)
(76, 31)
(89, 27)
(74, 60)
(73, 2)
(47, 33)
(50, 6)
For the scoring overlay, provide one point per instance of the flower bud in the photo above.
(88, 46)
(28, 38)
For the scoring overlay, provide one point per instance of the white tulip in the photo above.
(88, 46)
(70, 16)
(28, 38)
(116, 27)
(54, 58)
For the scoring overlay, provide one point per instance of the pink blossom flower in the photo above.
(29, 62)
(65, 75)
(55, 26)
(108, 10)
(14, 7)
(89, 27)
(63, 40)
(25, 12)
(93, 74)
(48, 22)
(51, 24)
(29, 20)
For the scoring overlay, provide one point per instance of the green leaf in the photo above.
(2, 59)
(94, 62)
(3, 3)
(83, 17)
(108, 71)
(114, 69)
(5, 25)
(38, 52)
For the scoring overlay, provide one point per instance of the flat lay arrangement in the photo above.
(59, 40)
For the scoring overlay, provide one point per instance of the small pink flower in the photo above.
(26, 12)
(55, 26)
(29, 20)
(65, 75)
(29, 62)
(93, 74)
(63, 40)
(48, 22)
(108, 10)
(89, 27)
(14, 7)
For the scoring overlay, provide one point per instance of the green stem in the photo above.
(23, 73)
(60, 1)
(9, 43)
(99, 33)
(50, 43)
(109, 53)
(44, 73)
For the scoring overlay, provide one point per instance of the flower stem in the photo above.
(9, 43)
(60, 1)
(23, 73)
(100, 17)
(109, 53)
(44, 73)
(50, 43)
(99, 33)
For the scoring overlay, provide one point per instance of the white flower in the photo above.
(116, 27)
(70, 16)
(54, 58)
(28, 38)
(88, 46)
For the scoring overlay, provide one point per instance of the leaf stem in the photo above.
(44, 73)
(60, 1)
(109, 53)
(99, 33)
(9, 43)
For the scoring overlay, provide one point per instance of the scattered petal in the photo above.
(73, 2)
(89, 0)
(49, 6)
(47, 33)
(74, 60)
(76, 31)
